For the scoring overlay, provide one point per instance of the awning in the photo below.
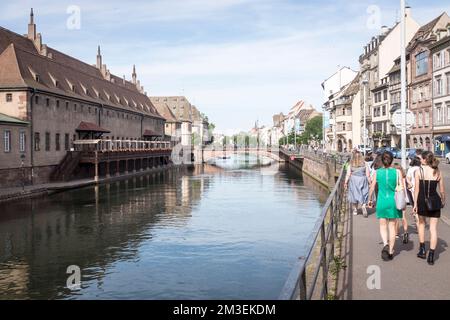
(90, 127)
(150, 133)
(444, 138)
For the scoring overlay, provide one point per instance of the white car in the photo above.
(361, 148)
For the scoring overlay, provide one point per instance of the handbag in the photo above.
(400, 197)
(434, 203)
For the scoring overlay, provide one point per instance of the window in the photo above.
(420, 119)
(22, 141)
(421, 63)
(7, 140)
(438, 86)
(36, 99)
(438, 114)
(437, 60)
(47, 141)
(57, 142)
(47, 102)
(384, 110)
(448, 113)
(67, 105)
(57, 103)
(427, 118)
(385, 95)
(9, 97)
(448, 83)
(37, 141)
(75, 107)
(66, 142)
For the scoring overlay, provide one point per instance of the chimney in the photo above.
(32, 27)
(38, 42)
(408, 11)
(384, 30)
(99, 59)
(124, 80)
(134, 74)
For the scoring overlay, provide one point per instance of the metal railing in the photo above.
(119, 145)
(312, 269)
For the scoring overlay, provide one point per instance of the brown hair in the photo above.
(431, 161)
(387, 159)
(357, 160)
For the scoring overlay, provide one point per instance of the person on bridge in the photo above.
(357, 182)
(387, 179)
(428, 202)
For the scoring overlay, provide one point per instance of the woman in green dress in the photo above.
(387, 179)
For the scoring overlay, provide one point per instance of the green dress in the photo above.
(387, 183)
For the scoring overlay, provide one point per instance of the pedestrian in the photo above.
(404, 220)
(414, 165)
(428, 202)
(387, 179)
(357, 182)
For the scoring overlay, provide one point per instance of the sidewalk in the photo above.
(405, 277)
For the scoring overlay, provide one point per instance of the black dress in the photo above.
(423, 190)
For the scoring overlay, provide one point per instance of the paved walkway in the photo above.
(405, 277)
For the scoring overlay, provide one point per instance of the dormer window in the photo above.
(108, 97)
(55, 82)
(96, 92)
(85, 89)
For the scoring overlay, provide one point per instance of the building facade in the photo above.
(440, 53)
(421, 86)
(59, 96)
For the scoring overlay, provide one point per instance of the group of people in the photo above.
(376, 182)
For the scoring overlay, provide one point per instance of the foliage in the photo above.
(313, 132)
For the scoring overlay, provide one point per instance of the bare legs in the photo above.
(388, 231)
(392, 234)
(384, 231)
(421, 229)
(433, 233)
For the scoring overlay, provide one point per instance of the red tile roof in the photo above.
(19, 59)
(150, 133)
(90, 127)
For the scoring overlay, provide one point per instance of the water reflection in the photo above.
(204, 234)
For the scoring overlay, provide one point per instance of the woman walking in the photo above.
(387, 179)
(404, 221)
(414, 166)
(428, 202)
(357, 182)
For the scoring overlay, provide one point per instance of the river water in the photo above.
(228, 230)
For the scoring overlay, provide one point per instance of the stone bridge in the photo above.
(205, 155)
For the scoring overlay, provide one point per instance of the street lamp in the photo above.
(403, 80)
(364, 83)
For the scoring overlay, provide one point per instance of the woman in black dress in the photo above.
(428, 178)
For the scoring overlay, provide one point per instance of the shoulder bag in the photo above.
(400, 197)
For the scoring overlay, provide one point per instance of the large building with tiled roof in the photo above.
(181, 108)
(55, 93)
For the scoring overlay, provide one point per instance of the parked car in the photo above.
(447, 158)
(362, 148)
(413, 153)
(396, 152)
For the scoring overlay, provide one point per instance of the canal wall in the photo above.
(13, 194)
(322, 171)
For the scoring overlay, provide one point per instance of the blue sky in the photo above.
(238, 60)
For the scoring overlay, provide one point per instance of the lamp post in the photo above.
(364, 83)
(403, 80)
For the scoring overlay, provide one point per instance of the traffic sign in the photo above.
(397, 119)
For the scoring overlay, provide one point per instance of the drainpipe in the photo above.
(33, 93)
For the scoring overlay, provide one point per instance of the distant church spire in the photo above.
(32, 27)
(99, 58)
(134, 76)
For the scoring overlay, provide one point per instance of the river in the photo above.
(228, 230)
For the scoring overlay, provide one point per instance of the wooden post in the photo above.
(96, 167)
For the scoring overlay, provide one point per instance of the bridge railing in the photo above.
(309, 278)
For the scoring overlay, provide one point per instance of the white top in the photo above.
(410, 175)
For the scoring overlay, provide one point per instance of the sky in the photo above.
(238, 61)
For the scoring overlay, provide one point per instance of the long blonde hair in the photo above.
(357, 160)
